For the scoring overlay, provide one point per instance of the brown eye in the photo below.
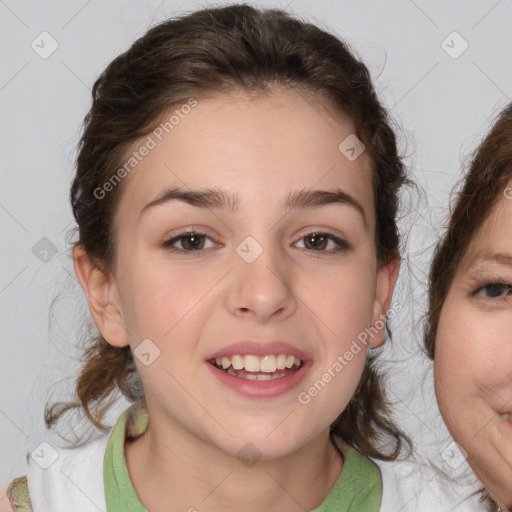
(189, 241)
(318, 242)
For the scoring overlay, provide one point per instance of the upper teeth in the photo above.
(251, 363)
(505, 416)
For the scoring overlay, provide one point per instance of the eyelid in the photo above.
(192, 228)
(480, 278)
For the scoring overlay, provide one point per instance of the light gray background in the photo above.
(442, 105)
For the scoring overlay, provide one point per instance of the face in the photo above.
(241, 283)
(473, 358)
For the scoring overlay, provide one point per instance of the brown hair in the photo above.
(208, 52)
(489, 173)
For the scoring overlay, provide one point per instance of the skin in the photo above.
(473, 358)
(261, 148)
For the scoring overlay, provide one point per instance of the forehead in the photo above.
(257, 146)
(493, 237)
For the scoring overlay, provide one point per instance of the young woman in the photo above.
(236, 198)
(470, 316)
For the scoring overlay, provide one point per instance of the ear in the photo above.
(387, 275)
(103, 298)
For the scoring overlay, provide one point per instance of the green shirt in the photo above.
(358, 488)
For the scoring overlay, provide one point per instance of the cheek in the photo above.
(155, 299)
(473, 360)
(335, 294)
(460, 351)
(343, 299)
(454, 355)
(343, 312)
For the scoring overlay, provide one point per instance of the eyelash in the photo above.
(487, 286)
(168, 244)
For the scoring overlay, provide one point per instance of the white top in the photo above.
(410, 487)
(74, 482)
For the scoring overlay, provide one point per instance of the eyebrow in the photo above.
(219, 199)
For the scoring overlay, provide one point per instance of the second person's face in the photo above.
(473, 358)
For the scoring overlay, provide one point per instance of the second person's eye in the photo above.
(495, 290)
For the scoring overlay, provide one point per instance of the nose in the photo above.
(261, 288)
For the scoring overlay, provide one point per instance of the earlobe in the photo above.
(387, 275)
(102, 296)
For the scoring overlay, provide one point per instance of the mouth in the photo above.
(261, 368)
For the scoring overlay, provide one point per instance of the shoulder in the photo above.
(409, 485)
(16, 497)
(71, 479)
(66, 478)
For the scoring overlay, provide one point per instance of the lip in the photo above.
(260, 349)
(261, 388)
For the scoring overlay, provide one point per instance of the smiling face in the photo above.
(245, 257)
(473, 358)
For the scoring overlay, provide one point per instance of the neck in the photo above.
(170, 465)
